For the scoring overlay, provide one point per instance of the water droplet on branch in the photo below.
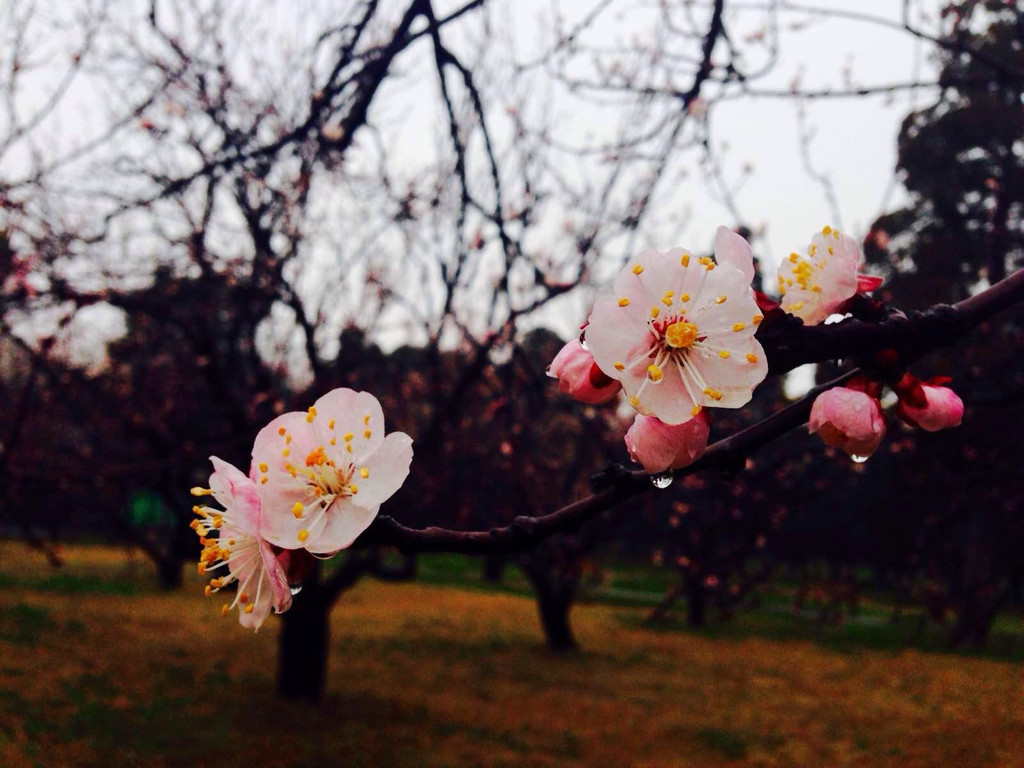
(662, 481)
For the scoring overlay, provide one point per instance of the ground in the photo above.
(97, 667)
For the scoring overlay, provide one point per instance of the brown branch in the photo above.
(788, 343)
(914, 336)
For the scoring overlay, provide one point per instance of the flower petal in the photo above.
(237, 493)
(732, 249)
(386, 470)
(341, 525)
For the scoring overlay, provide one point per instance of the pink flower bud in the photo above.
(659, 446)
(579, 376)
(849, 420)
(942, 409)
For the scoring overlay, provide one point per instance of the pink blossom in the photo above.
(848, 419)
(659, 446)
(816, 284)
(238, 546)
(679, 333)
(323, 474)
(579, 376)
(943, 409)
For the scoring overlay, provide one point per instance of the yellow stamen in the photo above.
(655, 312)
(654, 373)
(619, 366)
(720, 299)
(634, 401)
(751, 357)
(263, 466)
(681, 334)
(724, 354)
(311, 414)
(684, 297)
(827, 230)
(303, 534)
(348, 436)
(330, 424)
(685, 260)
(623, 302)
(364, 473)
(367, 434)
(297, 510)
(249, 608)
(197, 491)
(696, 410)
(757, 319)
(797, 305)
(354, 488)
(794, 257)
(739, 327)
(316, 458)
(637, 269)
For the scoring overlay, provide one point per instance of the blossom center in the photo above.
(681, 334)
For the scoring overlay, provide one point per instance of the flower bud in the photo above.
(942, 409)
(849, 420)
(659, 446)
(579, 376)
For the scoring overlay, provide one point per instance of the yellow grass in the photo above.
(426, 675)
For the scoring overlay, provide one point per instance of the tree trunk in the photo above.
(554, 603)
(169, 572)
(975, 614)
(494, 568)
(696, 601)
(304, 643)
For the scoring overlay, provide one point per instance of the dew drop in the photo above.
(661, 481)
(583, 340)
(858, 459)
(295, 589)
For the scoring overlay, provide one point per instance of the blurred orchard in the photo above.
(214, 213)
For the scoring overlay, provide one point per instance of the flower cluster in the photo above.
(678, 335)
(850, 418)
(316, 481)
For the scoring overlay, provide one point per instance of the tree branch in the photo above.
(914, 336)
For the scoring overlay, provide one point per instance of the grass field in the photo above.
(99, 668)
